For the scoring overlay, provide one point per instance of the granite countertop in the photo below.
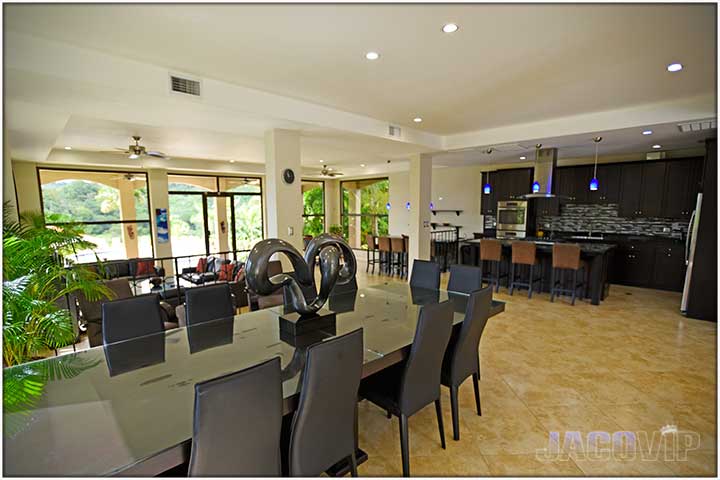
(544, 245)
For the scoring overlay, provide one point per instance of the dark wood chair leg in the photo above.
(455, 413)
(552, 284)
(441, 427)
(389, 415)
(512, 278)
(574, 287)
(530, 280)
(404, 450)
(476, 385)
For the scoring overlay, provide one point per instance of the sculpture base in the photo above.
(297, 324)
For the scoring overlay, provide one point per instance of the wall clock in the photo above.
(288, 176)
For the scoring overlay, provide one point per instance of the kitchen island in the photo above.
(596, 254)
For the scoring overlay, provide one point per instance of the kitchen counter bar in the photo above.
(596, 254)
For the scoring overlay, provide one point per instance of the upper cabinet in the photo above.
(642, 189)
(608, 191)
(512, 184)
(682, 184)
(573, 183)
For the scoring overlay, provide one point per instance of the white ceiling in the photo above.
(507, 64)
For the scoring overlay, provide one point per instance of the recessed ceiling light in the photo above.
(674, 67)
(417, 120)
(657, 146)
(133, 156)
(647, 132)
(232, 161)
(362, 165)
(523, 157)
(68, 148)
(322, 161)
(372, 55)
(330, 169)
(450, 28)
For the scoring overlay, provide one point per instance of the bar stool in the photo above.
(491, 251)
(468, 255)
(524, 253)
(567, 257)
(406, 255)
(397, 247)
(372, 247)
(385, 252)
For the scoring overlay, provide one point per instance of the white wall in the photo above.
(460, 188)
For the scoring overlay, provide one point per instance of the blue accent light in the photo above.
(594, 184)
(432, 206)
(536, 187)
(487, 189)
(407, 205)
(387, 205)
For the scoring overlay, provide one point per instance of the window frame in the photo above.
(314, 215)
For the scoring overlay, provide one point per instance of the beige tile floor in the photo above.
(632, 364)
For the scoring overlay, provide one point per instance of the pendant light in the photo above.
(487, 188)
(594, 184)
(536, 184)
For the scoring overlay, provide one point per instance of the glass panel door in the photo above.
(219, 222)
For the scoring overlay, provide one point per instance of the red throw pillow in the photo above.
(145, 267)
(201, 265)
(226, 271)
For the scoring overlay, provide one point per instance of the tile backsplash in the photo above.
(605, 219)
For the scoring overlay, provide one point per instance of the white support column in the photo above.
(420, 194)
(158, 188)
(127, 212)
(26, 183)
(284, 202)
(332, 203)
(9, 195)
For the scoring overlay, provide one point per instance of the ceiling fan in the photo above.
(329, 172)
(137, 150)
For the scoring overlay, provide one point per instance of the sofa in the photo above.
(133, 269)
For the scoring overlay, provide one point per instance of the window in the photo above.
(313, 207)
(112, 207)
(210, 214)
(364, 209)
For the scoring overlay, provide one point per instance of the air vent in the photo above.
(698, 125)
(184, 85)
(394, 131)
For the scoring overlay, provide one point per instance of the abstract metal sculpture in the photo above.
(329, 248)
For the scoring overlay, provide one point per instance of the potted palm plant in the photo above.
(35, 281)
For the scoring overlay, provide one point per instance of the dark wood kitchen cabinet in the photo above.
(669, 267)
(512, 184)
(642, 189)
(608, 184)
(682, 184)
(545, 207)
(488, 201)
(632, 264)
(573, 183)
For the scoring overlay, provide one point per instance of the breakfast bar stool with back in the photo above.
(385, 252)
(397, 245)
(524, 255)
(491, 252)
(567, 257)
(372, 248)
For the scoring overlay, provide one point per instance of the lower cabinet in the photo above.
(656, 264)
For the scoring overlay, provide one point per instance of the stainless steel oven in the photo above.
(512, 218)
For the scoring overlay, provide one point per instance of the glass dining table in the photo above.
(126, 408)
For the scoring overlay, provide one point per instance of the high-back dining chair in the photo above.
(461, 357)
(257, 302)
(323, 429)
(372, 248)
(131, 318)
(425, 274)
(385, 252)
(464, 278)
(237, 423)
(405, 388)
(204, 304)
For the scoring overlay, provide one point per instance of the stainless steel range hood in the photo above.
(544, 173)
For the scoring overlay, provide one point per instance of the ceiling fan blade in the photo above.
(152, 153)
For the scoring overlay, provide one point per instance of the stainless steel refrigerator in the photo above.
(690, 248)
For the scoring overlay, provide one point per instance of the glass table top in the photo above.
(100, 410)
